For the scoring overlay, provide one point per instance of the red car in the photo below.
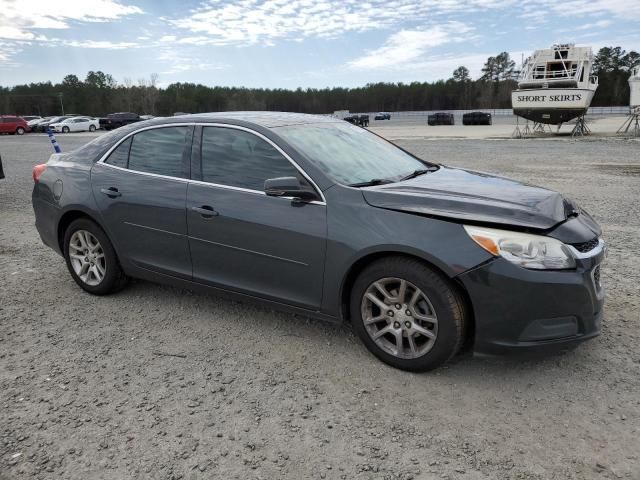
(12, 124)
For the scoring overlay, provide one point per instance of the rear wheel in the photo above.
(91, 259)
(92, 128)
(407, 314)
(20, 131)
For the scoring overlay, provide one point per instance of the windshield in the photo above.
(350, 154)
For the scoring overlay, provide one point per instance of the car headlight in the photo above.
(525, 250)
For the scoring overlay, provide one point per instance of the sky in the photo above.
(293, 43)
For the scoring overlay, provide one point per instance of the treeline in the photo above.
(99, 93)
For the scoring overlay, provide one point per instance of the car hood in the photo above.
(474, 197)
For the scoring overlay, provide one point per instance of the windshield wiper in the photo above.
(417, 173)
(371, 183)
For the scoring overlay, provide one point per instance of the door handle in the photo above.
(206, 211)
(111, 192)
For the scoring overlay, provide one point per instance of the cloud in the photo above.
(408, 46)
(102, 44)
(20, 20)
(36, 14)
(178, 62)
(596, 25)
(12, 33)
(252, 21)
(539, 10)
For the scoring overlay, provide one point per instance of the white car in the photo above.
(76, 124)
(35, 121)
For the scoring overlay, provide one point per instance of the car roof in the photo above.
(264, 119)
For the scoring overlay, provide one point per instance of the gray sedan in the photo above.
(320, 217)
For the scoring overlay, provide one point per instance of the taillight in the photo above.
(38, 170)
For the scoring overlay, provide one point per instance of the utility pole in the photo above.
(61, 104)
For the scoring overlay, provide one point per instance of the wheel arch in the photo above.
(363, 262)
(68, 217)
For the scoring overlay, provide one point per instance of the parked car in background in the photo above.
(476, 118)
(440, 118)
(29, 118)
(33, 124)
(382, 116)
(76, 124)
(44, 125)
(422, 259)
(13, 125)
(147, 117)
(357, 119)
(117, 120)
(351, 119)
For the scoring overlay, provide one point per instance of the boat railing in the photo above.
(571, 73)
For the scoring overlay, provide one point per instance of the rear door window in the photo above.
(120, 156)
(159, 151)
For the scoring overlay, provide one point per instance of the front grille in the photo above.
(586, 246)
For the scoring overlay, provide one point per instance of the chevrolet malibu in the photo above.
(320, 217)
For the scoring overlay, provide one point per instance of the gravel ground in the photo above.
(156, 382)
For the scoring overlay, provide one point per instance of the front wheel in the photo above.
(65, 129)
(407, 314)
(92, 128)
(20, 131)
(91, 259)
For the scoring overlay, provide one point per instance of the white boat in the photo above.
(634, 88)
(555, 84)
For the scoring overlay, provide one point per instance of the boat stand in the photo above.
(580, 129)
(521, 133)
(541, 128)
(632, 123)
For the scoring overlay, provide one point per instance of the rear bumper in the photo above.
(518, 309)
(47, 216)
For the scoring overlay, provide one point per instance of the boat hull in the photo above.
(551, 105)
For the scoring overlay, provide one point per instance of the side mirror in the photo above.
(288, 187)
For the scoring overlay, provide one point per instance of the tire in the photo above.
(441, 300)
(92, 128)
(65, 129)
(20, 131)
(113, 278)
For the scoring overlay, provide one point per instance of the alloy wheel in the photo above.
(399, 318)
(87, 257)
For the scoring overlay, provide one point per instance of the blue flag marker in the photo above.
(56, 147)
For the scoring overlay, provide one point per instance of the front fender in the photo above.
(357, 231)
